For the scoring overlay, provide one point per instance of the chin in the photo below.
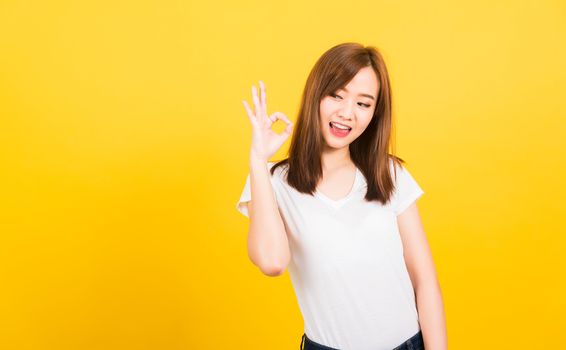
(332, 143)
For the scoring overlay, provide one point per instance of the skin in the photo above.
(351, 109)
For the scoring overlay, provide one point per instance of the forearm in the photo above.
(431, 315)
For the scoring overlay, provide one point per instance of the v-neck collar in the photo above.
(337, 204)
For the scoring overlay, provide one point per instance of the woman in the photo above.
(340, 212)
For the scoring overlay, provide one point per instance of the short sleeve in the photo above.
(407, 190)
(246, 195)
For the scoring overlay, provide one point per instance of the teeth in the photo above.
(340, 126)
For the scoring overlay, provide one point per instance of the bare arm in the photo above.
(268, 247)
(420, 264)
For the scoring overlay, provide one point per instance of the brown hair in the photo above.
(369, 152)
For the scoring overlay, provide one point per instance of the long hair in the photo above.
(370, 151)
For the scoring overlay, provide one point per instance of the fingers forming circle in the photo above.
(282, 117)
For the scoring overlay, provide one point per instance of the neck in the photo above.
(334, 158)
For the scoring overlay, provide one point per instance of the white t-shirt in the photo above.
(347, 266)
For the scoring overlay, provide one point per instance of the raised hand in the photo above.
(265, 142)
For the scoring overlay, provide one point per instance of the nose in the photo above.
(347, 110)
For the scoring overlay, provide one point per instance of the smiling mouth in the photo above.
(331, 124)
(337, 132)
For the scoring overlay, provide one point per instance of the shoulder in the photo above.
(400, 174)
(395, 167)
(279, 171)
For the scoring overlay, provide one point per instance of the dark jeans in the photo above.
(415, 342)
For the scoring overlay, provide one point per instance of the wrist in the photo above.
(257, 160)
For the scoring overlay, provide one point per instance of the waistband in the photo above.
(415, 342)
(312, 345)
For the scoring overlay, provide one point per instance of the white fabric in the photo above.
(347, 266)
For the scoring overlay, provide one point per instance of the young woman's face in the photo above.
(352, 106)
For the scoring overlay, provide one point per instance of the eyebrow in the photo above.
(365, 95)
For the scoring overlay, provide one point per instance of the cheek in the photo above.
(328, 105)
(325, 110)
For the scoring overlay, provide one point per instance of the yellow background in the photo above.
(124, 149)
